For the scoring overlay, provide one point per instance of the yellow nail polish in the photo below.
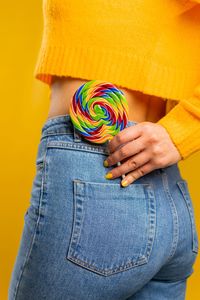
(105, 163)
(124, 183)
(108, 175)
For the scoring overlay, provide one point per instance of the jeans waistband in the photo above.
(63, 124)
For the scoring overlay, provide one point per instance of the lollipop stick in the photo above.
(119, 164)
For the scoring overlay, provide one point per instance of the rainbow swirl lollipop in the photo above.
(98, 111)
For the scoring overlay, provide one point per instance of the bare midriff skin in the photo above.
(141, 106)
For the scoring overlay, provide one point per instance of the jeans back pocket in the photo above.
(183, 186)
(113, 227)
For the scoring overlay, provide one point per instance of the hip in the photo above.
(80, 225)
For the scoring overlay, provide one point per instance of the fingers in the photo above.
(125, 151)
(139, 172)
(129, 165)
(124, 136)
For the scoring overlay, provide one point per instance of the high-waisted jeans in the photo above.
(88, 238)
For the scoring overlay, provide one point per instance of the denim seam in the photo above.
(77, 202)
(174, 214)
(152, 220)
(35, 230)
(77, 137)
(183, 188)
(71, 145)
(52, 133)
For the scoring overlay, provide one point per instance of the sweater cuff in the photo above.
(183, 125)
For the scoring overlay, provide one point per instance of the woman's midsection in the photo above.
(142, 107)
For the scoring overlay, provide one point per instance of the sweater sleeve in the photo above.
(182, 123)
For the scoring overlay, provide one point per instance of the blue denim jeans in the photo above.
(88, 238)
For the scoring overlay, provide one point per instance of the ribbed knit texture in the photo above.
(133, 44)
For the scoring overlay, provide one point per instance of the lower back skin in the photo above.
(142, 107)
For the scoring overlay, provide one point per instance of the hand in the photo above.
(141, 148)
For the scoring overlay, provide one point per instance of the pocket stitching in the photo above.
(76, 233)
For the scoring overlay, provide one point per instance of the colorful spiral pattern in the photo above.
(98, 111)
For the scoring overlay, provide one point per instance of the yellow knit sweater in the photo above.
(153, 47)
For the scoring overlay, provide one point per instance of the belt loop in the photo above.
(77, 137)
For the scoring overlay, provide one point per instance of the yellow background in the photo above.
(24, 108)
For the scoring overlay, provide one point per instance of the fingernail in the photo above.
(108, 175)
(124, 182)
(105, 163)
